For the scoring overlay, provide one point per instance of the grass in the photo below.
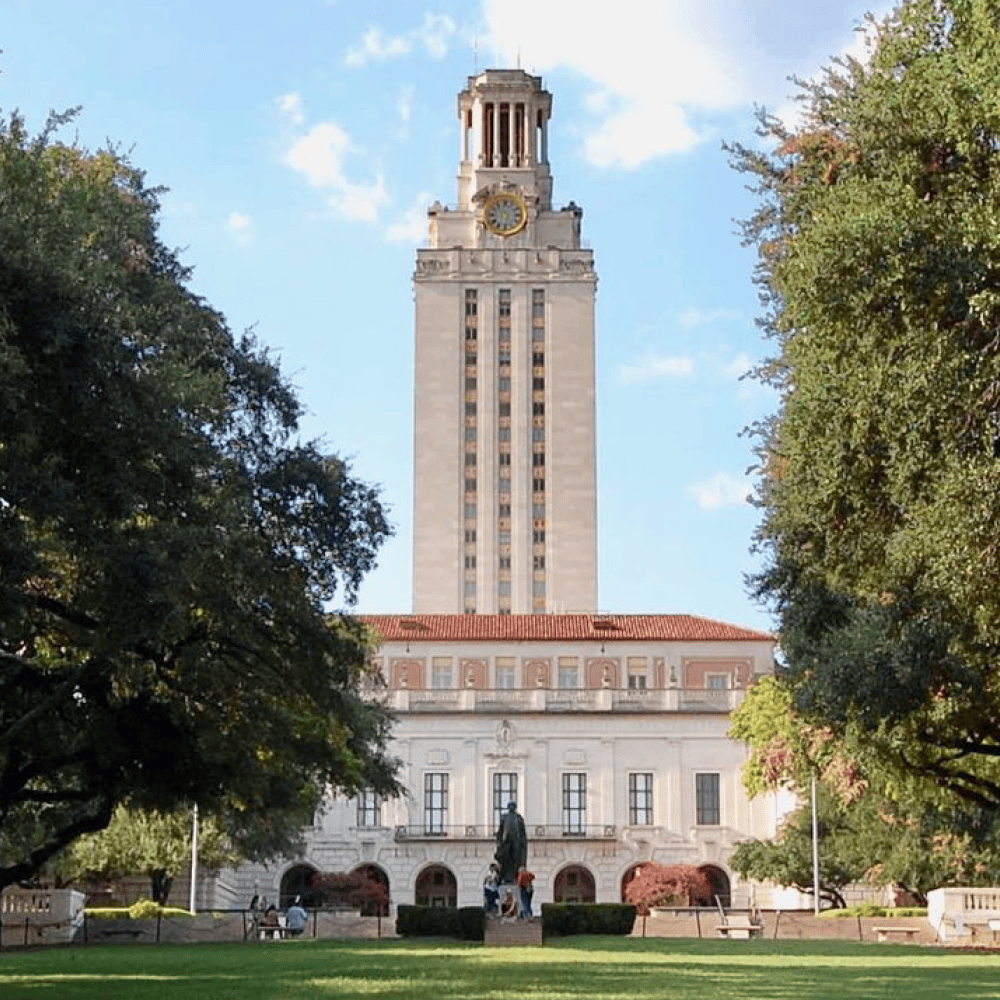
(571, 969)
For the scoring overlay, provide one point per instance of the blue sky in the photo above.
(302, 142)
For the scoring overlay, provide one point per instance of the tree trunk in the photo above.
(161, 882)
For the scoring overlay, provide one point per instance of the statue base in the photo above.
(501, 933)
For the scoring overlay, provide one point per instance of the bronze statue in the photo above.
(512, 845)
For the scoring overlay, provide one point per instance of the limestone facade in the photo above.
(609, 732)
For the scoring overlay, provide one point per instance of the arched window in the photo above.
(295, 884)
(436, 886)
(574, 884)
(627, 878)
(720, 887)
(376, 874)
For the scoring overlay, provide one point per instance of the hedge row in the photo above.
(564, 919)
(558, 920)
(466, 923)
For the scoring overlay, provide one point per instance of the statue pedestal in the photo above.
(512, 933)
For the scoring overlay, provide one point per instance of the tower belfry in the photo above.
(505, 448)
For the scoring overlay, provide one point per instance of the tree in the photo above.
(169, 547)
(358, 890)
(879, 265)
(154, 844)
(872, 829)
(668, 885)
(788, 859)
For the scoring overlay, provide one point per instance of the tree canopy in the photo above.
(879, 265)
(874, 826)
(168, 545)
(155, 844)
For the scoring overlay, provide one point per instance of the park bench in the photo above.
(734, 926)
(741, 928)
(887, 933)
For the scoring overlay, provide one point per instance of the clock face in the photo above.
(505, 214)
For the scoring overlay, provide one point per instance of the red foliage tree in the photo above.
(358, 890)
(668, 885)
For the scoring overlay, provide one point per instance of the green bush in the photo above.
(143, 909)
(566, 919)
(471, 923)
(427, 921)
(874, 910)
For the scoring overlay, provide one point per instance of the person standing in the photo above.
(525, 882)
(491, 889)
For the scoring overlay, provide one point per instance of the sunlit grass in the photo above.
(571, 969)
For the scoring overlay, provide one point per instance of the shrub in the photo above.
(427, 921)
(565, 919)
(874, 910)
(471, 923)
(143, 909)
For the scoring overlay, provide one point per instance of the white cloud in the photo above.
(240, 226)
(404, 107)
(434, 36)
(290, 105)
(693, 317)
(654, 368)
(721, 490)
(436, 33)
(739, 366)
(662, 73)
(375, 48)
(411, 227)
(320, 156)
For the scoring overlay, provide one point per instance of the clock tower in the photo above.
(505, 498)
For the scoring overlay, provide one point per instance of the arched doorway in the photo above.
(574, 884)
(627, 878)
(720, 887)
(295, 883)
(376, 874)
(436, 886)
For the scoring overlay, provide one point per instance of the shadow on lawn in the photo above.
(583, 970)
(570, 969)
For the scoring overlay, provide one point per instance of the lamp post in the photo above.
(194, 859)
(815, 840)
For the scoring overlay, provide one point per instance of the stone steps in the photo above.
(512, 933)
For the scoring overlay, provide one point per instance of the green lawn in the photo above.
(570, 969)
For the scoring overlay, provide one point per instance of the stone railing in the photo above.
(41, 916)
(959, 913)
(539, 831)
(566, 700)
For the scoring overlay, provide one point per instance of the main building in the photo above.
(609, 731)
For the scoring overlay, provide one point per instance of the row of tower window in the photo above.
(504, 460)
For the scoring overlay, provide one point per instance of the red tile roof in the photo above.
(559, 628)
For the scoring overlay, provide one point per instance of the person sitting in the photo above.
(508, 908)
(295, 918)
(269, 924)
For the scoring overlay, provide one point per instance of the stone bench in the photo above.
(886, 933)
(740, 928)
